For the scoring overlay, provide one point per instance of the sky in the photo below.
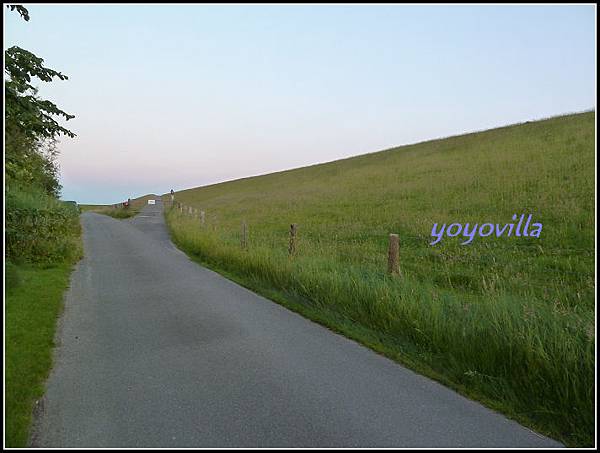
(179, 96)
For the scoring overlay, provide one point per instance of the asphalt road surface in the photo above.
(154, 350)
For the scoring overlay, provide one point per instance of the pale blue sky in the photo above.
(178, 96)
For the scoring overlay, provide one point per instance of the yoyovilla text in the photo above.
(487, 229)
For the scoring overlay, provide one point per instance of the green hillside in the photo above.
(507, 320)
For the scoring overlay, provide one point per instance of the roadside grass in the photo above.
(117, 213)
(91, 207)
(31, 310)
(509, 321)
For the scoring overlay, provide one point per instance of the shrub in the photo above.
(39, 228)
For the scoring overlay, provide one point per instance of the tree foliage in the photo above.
(30, 163)
(23, 107)
(31, 123)
(21, 10)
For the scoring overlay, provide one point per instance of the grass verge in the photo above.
(117, 213)
(520, 393)
(32, 308)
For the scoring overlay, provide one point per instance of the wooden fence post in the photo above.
(244, 241)
(393, 250)
(292, 246)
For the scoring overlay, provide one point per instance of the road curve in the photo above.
(154, 350)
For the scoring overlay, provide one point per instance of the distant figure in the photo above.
(172, 195)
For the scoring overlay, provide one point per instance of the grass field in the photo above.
(32, 307)
(506, 320)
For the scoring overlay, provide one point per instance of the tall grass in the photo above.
(507, 320)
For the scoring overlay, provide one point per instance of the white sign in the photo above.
(151, 201)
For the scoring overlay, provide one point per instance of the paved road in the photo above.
(156, 351)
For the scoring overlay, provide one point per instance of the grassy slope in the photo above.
(506, 320)
(31, 311)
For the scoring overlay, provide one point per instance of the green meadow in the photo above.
(506, 320)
